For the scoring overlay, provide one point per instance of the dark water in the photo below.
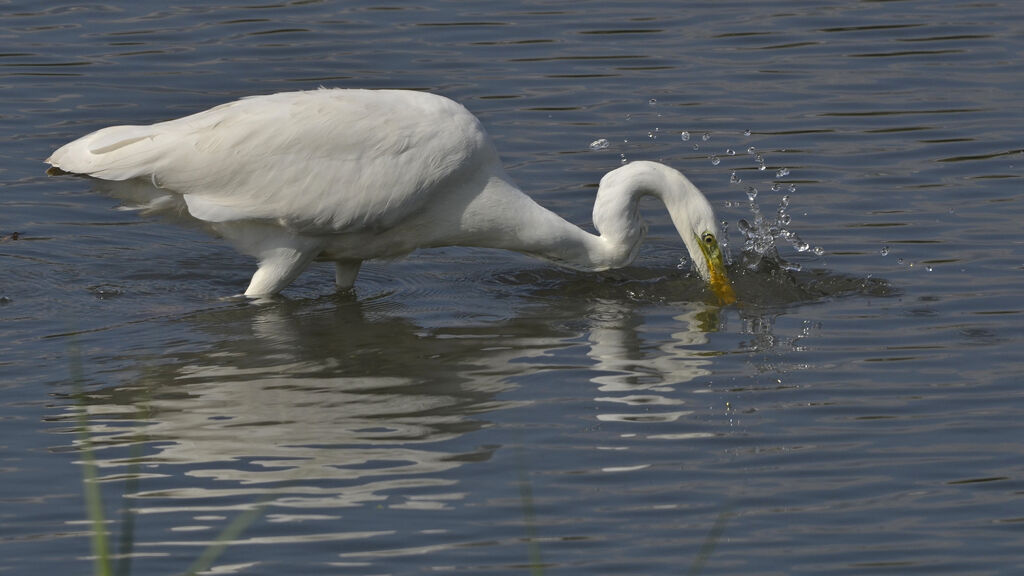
(479, 412)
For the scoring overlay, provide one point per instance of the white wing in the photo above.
(319, 161)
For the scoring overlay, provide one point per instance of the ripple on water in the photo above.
(768, 285)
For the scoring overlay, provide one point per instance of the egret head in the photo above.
(712, 267)
(701, 237)
(695, 221)
(616, 216)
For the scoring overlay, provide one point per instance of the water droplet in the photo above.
(715, 161)
(762, 167)
(696, 146)
(884, 251)
(734, 179)
(782, 173)
(652, 135)
(746, 132)
(685, 136)
(792, 188)
(623, 159)
(785, 219)
(818, 251)
(899, 260)
(730, 151)
(796, 241)
(104, 291)
(751, 193)
(705, 136)
(629, 116)
(600, 144)
(776, 187)
(928, 268)
(652, 101)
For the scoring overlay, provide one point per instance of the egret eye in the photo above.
(709, 238)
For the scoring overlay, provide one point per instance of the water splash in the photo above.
(724, 244)
(762, 233)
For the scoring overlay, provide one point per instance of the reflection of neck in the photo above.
(619, 352)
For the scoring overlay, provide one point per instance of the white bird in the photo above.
(350, 175)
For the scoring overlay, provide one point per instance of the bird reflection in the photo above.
(313, 406)
(643, 383)
(615, 347)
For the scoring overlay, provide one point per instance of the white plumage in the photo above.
(350, 175)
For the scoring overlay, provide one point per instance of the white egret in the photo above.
(349, 175)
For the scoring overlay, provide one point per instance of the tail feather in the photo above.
(114, 153)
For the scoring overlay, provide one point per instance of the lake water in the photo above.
(479, 412)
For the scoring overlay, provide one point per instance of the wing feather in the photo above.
(320, 161)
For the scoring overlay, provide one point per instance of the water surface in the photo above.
(474, 411)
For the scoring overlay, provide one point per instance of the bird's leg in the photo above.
(345, 272)
(278, 267)
(282, 255)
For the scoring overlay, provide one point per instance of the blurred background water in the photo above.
(473, 411)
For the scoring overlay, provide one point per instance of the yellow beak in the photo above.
(717, 279)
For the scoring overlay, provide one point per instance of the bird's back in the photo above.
(322, 161)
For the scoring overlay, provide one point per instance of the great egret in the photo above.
(349, 175)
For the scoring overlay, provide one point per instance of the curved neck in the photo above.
(502, 216)
(616, 209)
(515, 222)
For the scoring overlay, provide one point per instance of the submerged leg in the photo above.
(345, 272)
